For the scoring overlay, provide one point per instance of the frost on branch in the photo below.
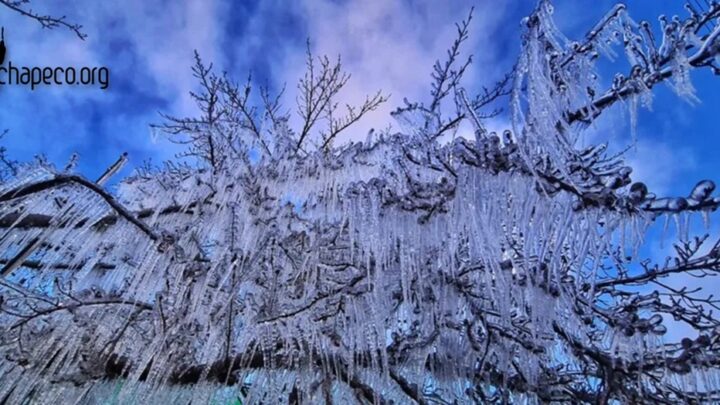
(281, 266)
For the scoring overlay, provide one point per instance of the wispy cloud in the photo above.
(148, 48)
(393, 45)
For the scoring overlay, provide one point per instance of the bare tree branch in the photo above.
(46, 21)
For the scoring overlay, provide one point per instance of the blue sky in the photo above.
(389, 45)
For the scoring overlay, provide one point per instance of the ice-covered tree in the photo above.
(282, 266)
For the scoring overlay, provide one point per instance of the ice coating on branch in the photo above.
(499, 269)
(702, 190)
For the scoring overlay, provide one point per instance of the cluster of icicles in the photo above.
(308, 293)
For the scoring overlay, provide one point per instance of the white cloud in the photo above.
(148, 45)
(660, 165)
(163, 35)
(389, 46)
(384, 45)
